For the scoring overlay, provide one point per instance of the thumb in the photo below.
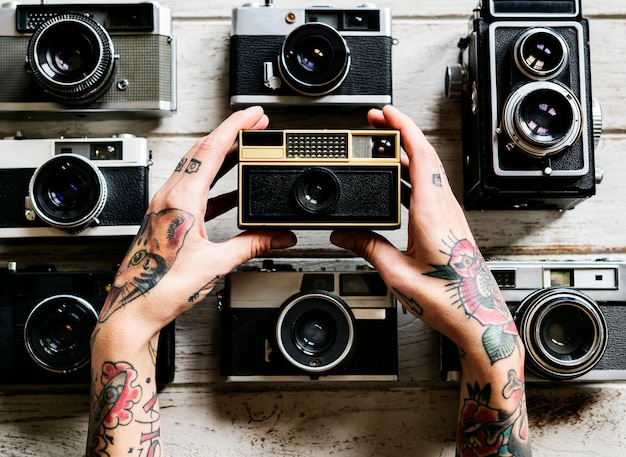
(373, 247)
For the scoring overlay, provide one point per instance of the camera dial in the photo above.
(542, 118)
(68, 192)
(563, 330)
(71, 57)
(315, 331)
(541, 53)
(314, 59)
(57, 333)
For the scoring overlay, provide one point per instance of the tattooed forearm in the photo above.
(207, 287)
(192, 167)
(484, 430)
(475, 290)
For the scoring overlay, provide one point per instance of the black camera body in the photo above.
(73, 186)
(530, 123)
(315, 57)
(319, 179)
(569, 314)
(87, 60)
(46, 321)
(301, 326)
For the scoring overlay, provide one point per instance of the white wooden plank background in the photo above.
(203, 415)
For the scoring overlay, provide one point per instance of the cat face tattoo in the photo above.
(154, 251)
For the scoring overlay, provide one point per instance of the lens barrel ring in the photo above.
(311, 305)
(57, 333)
(529, 134)
(314, 59)
(61, 169)
(81, 85)
(541, 59)
(549, 351)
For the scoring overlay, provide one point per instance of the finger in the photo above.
(371, 246)
(250, 244)
(220, 205)
(198, 168)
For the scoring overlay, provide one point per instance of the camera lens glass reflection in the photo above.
(546, 116)
(57, 333)
(314, 333)
(71, 55)
(567, 333)
(542, 52)
(315, 53)
(317, 190)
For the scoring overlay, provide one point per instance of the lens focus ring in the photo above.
(72, 58)
(564, 332)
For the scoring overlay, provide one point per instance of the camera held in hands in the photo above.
(316, 56)
(569, 315)
(87, 60)
(530, 124)
(46, 321)
(319, 178)
(73, 186)
(281, 324)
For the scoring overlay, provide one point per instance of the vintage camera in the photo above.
(46, 321)
(316, 56)
(87, 60)
(280, 324)
(530, 124)
(319, 178)
(569, 315)
(73, 186)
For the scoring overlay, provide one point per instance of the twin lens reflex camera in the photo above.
(316, 56)
(288, 325)
(73, 186)
(46, 321)
(315, 179)
(530, 123)
(569, 315)
(87, 60)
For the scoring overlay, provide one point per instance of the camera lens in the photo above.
(543, 118)
(317, 190)
(564, 332)
(314, 59)
(541, 53)
(57, 333)
(71, 57)
(315, 330)
(68, 192)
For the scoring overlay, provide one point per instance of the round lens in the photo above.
(542, 118)
(546, 116)
(564, 332)
(71, 57)
(315, 331)
(314, 59)
(541, 53)
(317, 190)
(57, 333)
(68, 191)
(567, 333)
(315, 53)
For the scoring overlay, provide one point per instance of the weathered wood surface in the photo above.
(205, 416)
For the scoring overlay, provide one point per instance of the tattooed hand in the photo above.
(171, 265)
(443, 279)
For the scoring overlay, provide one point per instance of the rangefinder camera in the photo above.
(569, 315)
(46, 321)
(319, 178)
(73, 186)
(530, 123)
(87, 60)
(316, 56)
(281, 324)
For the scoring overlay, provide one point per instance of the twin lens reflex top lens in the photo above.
(541, 53)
